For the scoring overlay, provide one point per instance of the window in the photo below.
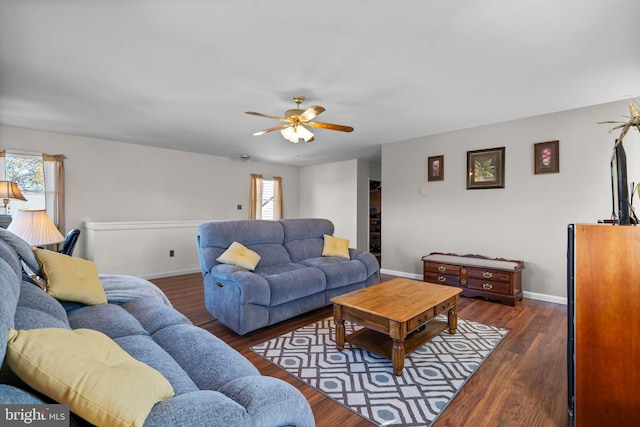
(27, 170)
(267, 199)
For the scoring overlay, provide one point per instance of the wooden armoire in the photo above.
(603, 296)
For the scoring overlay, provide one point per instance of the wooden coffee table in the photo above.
(397, 316)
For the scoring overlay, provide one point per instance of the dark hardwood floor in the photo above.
(522, 383)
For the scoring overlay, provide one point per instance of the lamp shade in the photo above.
(35, 227)
(10, 190)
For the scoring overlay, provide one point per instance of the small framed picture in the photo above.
(485, 168)
(546, 157)
(435, 168)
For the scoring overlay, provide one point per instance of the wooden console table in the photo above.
(495, 279)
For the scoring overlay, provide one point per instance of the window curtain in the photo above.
(3, 165)
(54, 188)
(277, 198)
(255, 197)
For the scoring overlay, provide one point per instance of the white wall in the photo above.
(114, 181)
(526, 220)
(330, 191)
(142, 248)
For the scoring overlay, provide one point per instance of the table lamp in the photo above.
(35, 227)
(8, 190)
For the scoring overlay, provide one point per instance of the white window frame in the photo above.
(267, 199)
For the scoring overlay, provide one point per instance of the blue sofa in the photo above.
(214, 385)
(291, 278)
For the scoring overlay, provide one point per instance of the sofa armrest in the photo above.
(368, 259)
(253, 288)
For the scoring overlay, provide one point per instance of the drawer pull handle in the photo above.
(487, 275)
(487, 286)
(442, 269)
(442, 279)
(219, 284)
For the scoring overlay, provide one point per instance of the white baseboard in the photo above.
(525, 294)
(401, 274)
(545, 297)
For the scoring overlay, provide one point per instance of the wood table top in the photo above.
(397, 299)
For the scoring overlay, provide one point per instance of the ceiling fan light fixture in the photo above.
(289, 134)
(295, 134)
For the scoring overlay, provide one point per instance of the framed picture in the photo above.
(435, 167)
(546, 157)
(485, 168)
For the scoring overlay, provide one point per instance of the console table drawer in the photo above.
(489, 286)
(450, 269)
(442, 279)
(494, 275)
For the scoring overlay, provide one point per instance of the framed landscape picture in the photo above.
(485, 168)
(546, 157)
(435, 168)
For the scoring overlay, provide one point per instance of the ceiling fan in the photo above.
(294, 129)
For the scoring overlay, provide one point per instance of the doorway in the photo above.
(375, 219)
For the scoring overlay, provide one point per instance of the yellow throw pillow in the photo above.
(335, 246)
(70, 279)
(239, 255)
(88, 371)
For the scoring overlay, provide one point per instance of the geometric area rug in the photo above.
(364, 382)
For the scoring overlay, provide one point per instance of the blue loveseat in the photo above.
(291, 278)
(212, 384)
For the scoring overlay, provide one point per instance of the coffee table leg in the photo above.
(397, 356)
(337, 316)
(452, 320)
(340, 334)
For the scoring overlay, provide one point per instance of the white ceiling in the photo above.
(181, 74)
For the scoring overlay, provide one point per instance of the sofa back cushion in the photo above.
(304, 237)
(261, 236)
(18, 249)
(9, 291)
(37, 309)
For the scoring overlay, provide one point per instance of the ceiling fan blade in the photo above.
(262, 132)
(331, 126)
(282, 119)
(311, 112)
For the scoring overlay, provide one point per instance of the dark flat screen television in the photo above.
(622, 211)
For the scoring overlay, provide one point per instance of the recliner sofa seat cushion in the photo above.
(203, 356)
(339, 271)
(153, 315)
(110, 319)
(146, 350)
(290, 282)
